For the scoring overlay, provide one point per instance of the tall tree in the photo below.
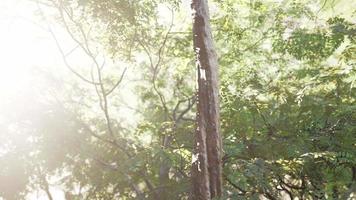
(206, 167)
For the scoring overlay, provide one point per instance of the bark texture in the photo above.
(207, 165)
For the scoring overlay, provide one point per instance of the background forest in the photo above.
(115, 118)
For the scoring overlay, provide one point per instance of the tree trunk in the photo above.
(207, 165)
(164, 170)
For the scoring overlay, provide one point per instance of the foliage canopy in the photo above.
(288, 104)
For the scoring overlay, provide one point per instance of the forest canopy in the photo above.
(116, 99)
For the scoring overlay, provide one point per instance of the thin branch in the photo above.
(44, 185)
(64, 55)
(156, 67)
(66, 62)
(191, 103)
(71, 51)
(269, 196)
(296, 187)
(97, 91)
(163, 45)
(287, 191)
(242, 191)
(117, 83)
(99, 88)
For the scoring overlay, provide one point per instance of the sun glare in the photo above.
(98, 99)
(24, 45)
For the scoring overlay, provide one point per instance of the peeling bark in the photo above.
(207, 164)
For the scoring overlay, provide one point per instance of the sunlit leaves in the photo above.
(287, 82)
